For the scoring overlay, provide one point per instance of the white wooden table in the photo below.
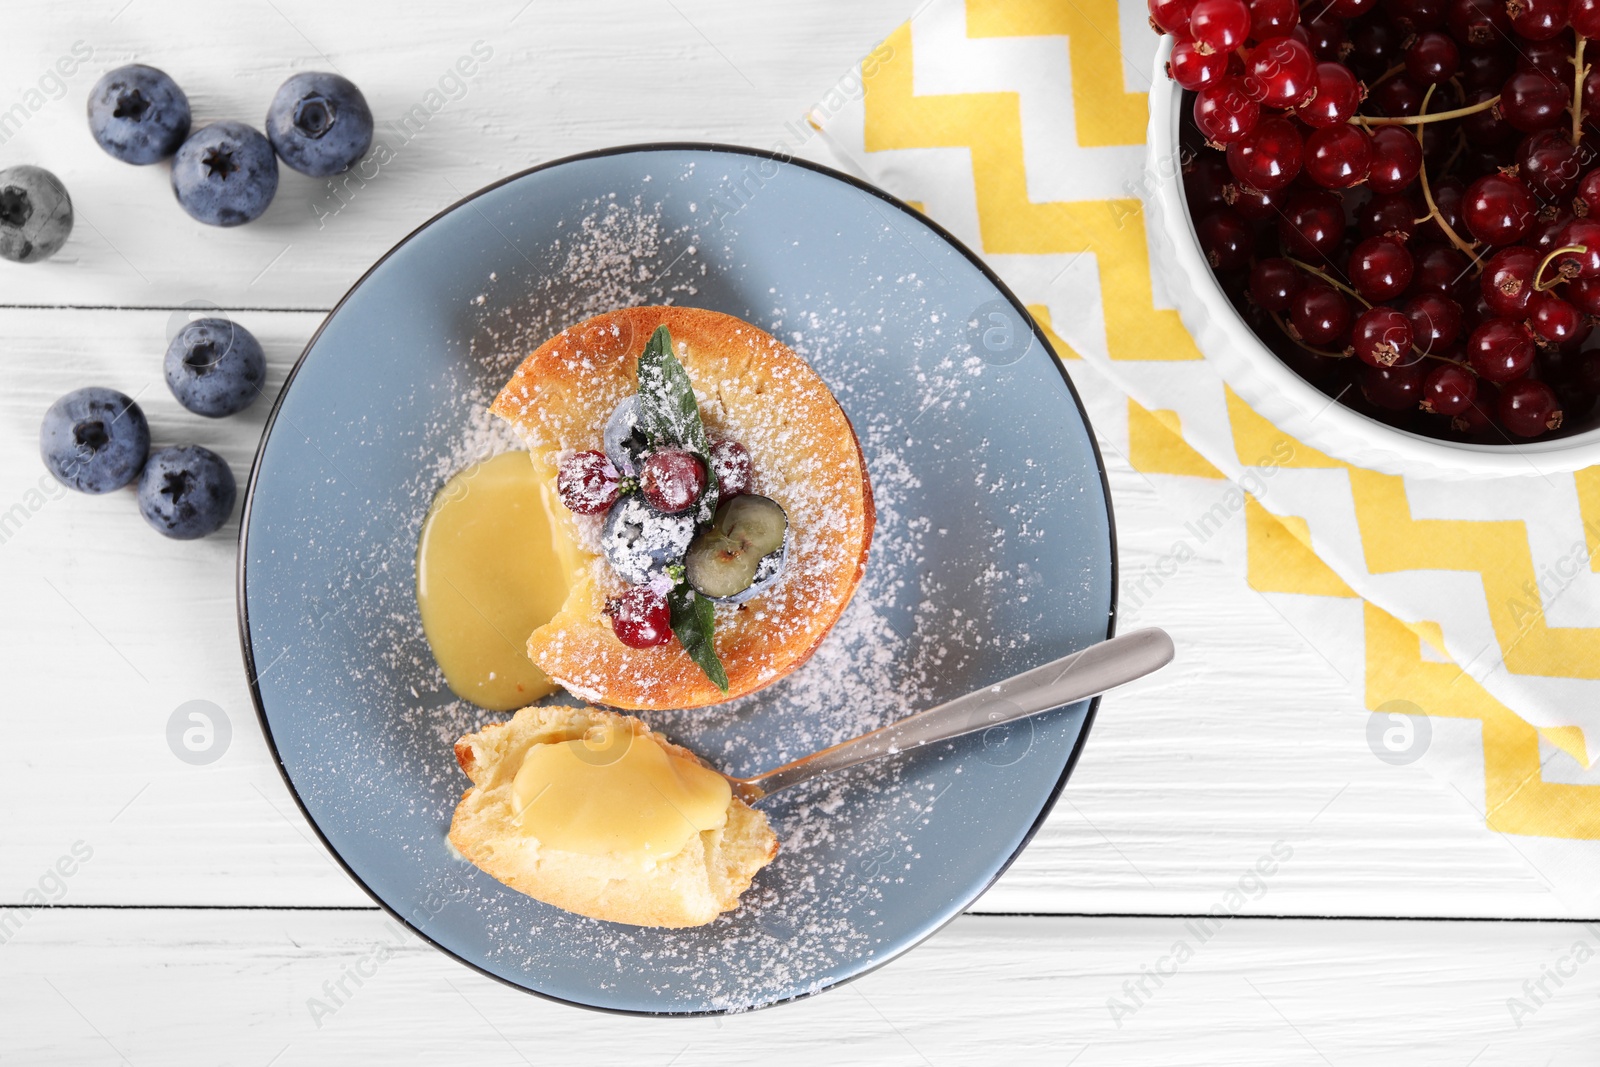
(206, 917)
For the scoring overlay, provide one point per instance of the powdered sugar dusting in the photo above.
(958, 545)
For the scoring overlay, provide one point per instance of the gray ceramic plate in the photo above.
(994, 552)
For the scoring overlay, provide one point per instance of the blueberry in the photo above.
(94, 440)
(319, 123)
(225, 174)
(215, 367)
(625, 442)
(138, 114)
(186, 492)
(35, 214)
(640, 541)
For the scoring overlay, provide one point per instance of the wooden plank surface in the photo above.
(260, 987)
(1253, 739)
(551, 77)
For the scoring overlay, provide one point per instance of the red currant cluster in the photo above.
(1412, 183)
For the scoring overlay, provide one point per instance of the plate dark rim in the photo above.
(242, 577)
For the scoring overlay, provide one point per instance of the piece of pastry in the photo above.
(716, 498)
(590, 811)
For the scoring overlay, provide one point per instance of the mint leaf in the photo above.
(667, 408)
(668, 413)
(693, 619)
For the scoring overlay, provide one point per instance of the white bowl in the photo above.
(1265, 382)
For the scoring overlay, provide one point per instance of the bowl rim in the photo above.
(1264, 381)
(1042, 343)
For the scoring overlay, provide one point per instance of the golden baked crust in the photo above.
(689, 889)
(752, 388)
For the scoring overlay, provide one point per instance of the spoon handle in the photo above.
(1060, 682)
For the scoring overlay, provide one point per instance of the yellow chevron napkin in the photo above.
(1020, 126)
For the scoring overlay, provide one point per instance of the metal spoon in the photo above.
(1056, 684)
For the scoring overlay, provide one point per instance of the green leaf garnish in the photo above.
(667, 408)
(693, 619)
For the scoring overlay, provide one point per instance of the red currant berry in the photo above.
(587, 482)
(1548, 162)
(1398, 96)
(734, 469)
(1219, 25)
(1254, 205)
(1529, 408)
(1380, 268)
(671, 480)
(1588, 193)
(1440, 269)
(1325, 37)
(1283, 72)
(1497, 209)
(1478, 23)
(1477, 418)
(1337, 157)
(1501, 350)
(1448, 389)
(1338, 95)
(1487, 129)
(1435, 322)
(1585, 17)
(1581, 233)
(1396, 159)
(1320, 315)
(1432, 58)
(1382, 337)
(1591, 93)
(1546, 234)
(1312, 224)
(1273, 283)
(1193, 69)
(1269, 156)
(1206, 179)
(1585, 293)
(1448, 195)
(1224, 113)
(1415, 16)
(1556, 321)
(1486, 69)
(1226, 239)
(1538, 20)
(1273, 18)
(1351, 9)
(1397, 388)
(1171, 16)
(1550, 58)
(1507, 280)
(1374, 47)
(1388, 213)
(1531, 100)
(640, 617)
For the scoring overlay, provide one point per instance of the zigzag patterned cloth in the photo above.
(1012, 123)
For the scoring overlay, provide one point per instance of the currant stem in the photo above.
(1579, 71)
(1427, 191)
(1540, 287)
(1423, 119)
(1330, 279)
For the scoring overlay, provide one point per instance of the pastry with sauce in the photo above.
(716, 505)
(590, 811)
